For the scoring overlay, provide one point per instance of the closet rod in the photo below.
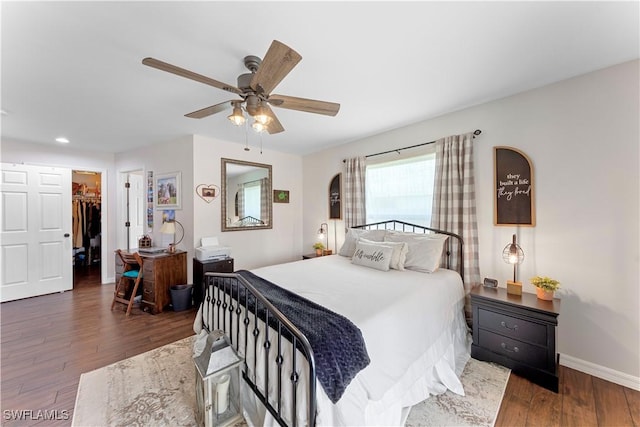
(397, 150)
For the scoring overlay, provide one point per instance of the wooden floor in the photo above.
(48, 341)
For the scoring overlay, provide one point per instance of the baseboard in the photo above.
(608, 374)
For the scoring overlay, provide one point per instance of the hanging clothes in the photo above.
(86, 226)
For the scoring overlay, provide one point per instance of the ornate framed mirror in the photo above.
(246, 195)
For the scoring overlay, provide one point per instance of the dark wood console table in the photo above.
(224, 265)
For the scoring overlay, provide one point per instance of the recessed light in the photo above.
(62, 140)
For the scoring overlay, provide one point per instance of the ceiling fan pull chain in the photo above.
(246, 135)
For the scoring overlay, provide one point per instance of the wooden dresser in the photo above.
(516, 331)
(160, 272)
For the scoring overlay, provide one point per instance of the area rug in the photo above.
(157, 388)
(484, 384)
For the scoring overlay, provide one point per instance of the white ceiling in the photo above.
(74, 68)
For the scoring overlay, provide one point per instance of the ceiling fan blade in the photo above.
(303, 104)
(163, 66)
(274, 125)
(277, 63)
(205, 112)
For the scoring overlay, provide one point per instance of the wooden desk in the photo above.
(160, 272)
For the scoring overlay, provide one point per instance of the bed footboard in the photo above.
(270, 343)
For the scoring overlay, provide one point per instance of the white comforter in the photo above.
(413, 326)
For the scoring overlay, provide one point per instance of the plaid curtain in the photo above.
(265, 200)
(240, 201)
(354, 206)
(454, 204)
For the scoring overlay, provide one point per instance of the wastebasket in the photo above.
(181, 297)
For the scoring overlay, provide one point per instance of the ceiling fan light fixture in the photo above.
(237, 118)
(259, 127)
(261, 116)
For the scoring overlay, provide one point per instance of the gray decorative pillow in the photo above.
(352, 236)
(372, 256)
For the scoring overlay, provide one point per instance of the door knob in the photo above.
(66, 234)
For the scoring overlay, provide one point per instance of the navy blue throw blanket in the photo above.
(337, 343)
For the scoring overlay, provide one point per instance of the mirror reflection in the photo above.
(246, 195)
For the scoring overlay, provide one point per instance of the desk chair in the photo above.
(132, 271)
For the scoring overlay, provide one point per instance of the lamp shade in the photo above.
(513, 253)
(168, 227)
(322, 231)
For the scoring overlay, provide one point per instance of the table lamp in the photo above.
(169, 227)
(513, 254)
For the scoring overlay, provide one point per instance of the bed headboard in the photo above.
(450, 245)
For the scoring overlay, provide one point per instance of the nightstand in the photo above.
(516, 331)
(315, 255)
(224, 265)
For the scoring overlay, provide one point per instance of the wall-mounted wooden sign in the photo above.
(513, 187)
(335, 197)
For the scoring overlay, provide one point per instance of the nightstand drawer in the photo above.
(513, 327)
(517, 350)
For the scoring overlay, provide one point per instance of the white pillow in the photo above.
(352, 236)
(376, 256)
(425, 250)
(399, 255)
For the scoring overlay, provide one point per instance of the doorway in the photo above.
(133, 212)
(86, 190)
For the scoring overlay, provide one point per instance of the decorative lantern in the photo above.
(218, 382)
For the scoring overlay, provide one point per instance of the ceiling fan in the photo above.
(254, 89)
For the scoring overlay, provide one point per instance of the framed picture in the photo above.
(280, 196)
(168, 191)
(514, 202)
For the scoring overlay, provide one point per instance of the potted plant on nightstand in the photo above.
(318, 247)
(545, 287)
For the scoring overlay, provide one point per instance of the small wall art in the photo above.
(280, 196)
(150, 200)
(208, 192)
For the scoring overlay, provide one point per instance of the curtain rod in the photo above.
(475, 133)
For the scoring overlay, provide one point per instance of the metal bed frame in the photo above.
(224, 307)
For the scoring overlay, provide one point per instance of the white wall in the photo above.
(173, 156)
(251, 248)
(582, 135)
(198, 160)
(69, 157)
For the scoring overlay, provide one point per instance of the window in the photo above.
(252, 199)
(401, 189)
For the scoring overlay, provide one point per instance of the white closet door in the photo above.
(35, 231)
